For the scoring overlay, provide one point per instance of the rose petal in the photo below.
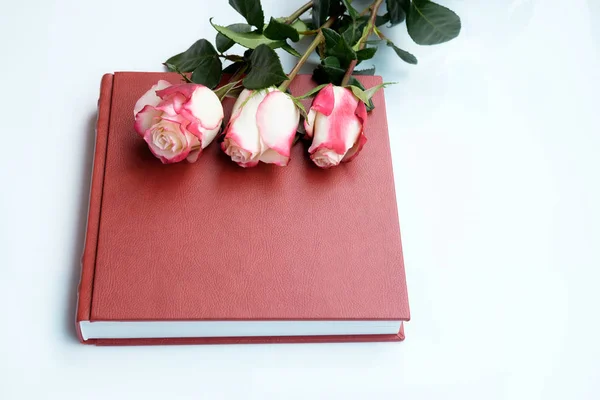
(277, 119)
(309, 122)
(240, 101)
(361, 113)
(145, 119)
(238, 155)
(185, 89)
(242, 129)
(340, 130)
(353, 152)
(195, 148)
(178, 146)
(204, 105)
(325, 100)
(193, 155)
(271, 156)
(150, 98)
(326, 158)
(173, 104)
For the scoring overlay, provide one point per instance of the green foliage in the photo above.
(336, 45)
(351, 38)
(397, 10)
(224, 43)
(403, 54)
(191, 58)
(277, 30)
(366, 53)
(366, 71)
(354, 31)
(251, 10)
(311, 92)
(320, 12)
(353, 82)
(250, 40)
(366, 95)
(328, 74)
(429, 23)
(202, 60)
(265, 69)
(351, 10)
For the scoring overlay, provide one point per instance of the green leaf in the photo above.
(351, 10)
(355, 82)
(235, 92)
(224, 43)
(170, 67)
(371, 91)
(251, 10)
(190, 59)
(299, 26)
(312, 92)
(208, 72)
(403, 54)
(397, 10)
(277, 30)
(353, 32)
(328, 74)
(331, 37)
(336, 8)
(173, 68)
(366, 95)
(265, 69)
(382, 19)
(366, 53)
(172, 62)
(320, 12)
(234, 67)
(359, 93)
(291, 50)
(364, 36)
(336, 45)
(366, 71)
(250, 40)
(299, 105)
(331, 61)
(429, 23)
(226, 89)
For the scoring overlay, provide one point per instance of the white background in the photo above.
(495, 141)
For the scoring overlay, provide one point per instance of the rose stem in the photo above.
(362, 41)
(306, 55)
(298, 12)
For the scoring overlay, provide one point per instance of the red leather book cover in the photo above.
(213, 241)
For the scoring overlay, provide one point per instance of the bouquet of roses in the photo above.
(179, 121)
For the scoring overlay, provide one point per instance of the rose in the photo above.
(178, 121)
(335, 122)
(262, 128)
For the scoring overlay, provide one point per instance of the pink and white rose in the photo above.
(178, 121)
(262, 128)
(335, 123)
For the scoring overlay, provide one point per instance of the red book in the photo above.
(213, 253)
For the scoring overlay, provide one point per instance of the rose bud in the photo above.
(335, 122)
(178, 121)
(262, 128)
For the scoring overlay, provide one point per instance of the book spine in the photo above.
(88, 260)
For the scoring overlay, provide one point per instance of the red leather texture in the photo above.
(88, 259)
(213, 241)
(252, 340)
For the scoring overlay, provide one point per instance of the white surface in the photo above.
(495, 141)
(187, 329)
